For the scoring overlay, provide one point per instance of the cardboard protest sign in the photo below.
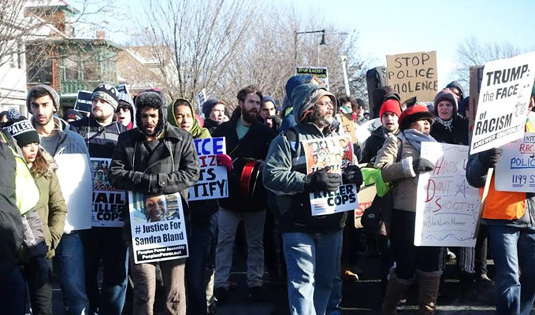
(502, 108)
(83, 101)
(365, 197)
(413, 74)
(108, 202)
(158, 227)
(201, 98)
(213, 181)
(348, 126)
(516, 169)
(337, 153)
(447, 207)
(319, 72)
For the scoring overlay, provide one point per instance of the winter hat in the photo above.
(107, 93)
(208, 106)
(125, 97)
(413, 114)
(22, 130)
(456, 85)
(445, 96)
(305, 96)
(151, 99)
(72, 115)
(292, 83)
(361, 103)
(51, 92)
(390, 105)
(12, 114)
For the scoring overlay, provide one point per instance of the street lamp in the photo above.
(322, 42)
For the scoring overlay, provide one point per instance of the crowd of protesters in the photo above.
(46, 175)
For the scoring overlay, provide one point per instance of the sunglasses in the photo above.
(124, 108)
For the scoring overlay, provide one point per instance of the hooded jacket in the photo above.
(74, 175)
(285, 172)
(201, 210)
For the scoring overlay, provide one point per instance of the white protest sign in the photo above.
(158, 227)
(516, 169)
(337, 153)
(213, 181)
(503, 102)
(108, 202)
(447, 207)
(76, 186)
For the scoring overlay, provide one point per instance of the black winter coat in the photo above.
(254, 145)
(457, 134)
(373, 144)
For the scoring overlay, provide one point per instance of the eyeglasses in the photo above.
(325, 103)
(124, 108)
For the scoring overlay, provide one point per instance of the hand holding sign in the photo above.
(491, 157)
(421, 165)
(224, 160)
(352, 175)
(322, 180)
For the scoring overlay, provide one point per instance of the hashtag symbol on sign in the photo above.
(138, 229)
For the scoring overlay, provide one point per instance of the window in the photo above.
(70, 69)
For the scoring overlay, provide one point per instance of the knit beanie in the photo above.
(392, 106)
(107, 93)
(51, 92)
(208, 106)
(72, 115)
(413, 114)
(445, 96)
(22, 130)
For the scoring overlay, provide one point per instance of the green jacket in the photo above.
(51, 208)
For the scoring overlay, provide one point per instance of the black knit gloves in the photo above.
(322, 181)
(490, 157)
(421, 165)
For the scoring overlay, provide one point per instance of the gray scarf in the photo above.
(445, 123)
(416, 138)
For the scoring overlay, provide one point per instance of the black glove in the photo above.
(322, 180)
(421, 165)
(490, 157)
(352, 175)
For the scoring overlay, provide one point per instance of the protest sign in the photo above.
(318, 72)
(76, 186)
(213, 180)
(476, 76)
(337, 153)
(108, 202)
(502, 108)
(158, 227)
(365, 197)
(348, 126)
(447, 207)
(83, 101)
(123, 88)
(413, 74)
(365, 130)
(516, 169)
(201, 98)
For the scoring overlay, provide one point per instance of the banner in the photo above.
(413, 74)
(502, 108)
(447, 207)
(337, 153)
(83, 101)
(516, 169)
(158, 227)
(213, 180)
(318, 72)
(108, 202)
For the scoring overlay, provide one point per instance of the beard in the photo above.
(249, 115)
(322, 121)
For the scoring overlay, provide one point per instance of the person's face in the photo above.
(149, 120)
(268, 109)
(42, 109)
(456, 93)
(250, 107)
(3, 118)
(390, 121)
(101, 110)
(218, 113)
(123, 114)
(360, 110)
(445, 110)
(29, 152)
(155, 208)
(184, 117)
(323, 110)
(422, 126)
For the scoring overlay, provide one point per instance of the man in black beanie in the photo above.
(214, 112)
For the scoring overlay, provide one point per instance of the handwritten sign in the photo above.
(318, 72)
(158, 227)
(348, 126)
(503, 102)
(413, 74)
(337, 153)
(516, 169)
(365, 196)
(213, 180)
(108, 202)
(447, 207)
